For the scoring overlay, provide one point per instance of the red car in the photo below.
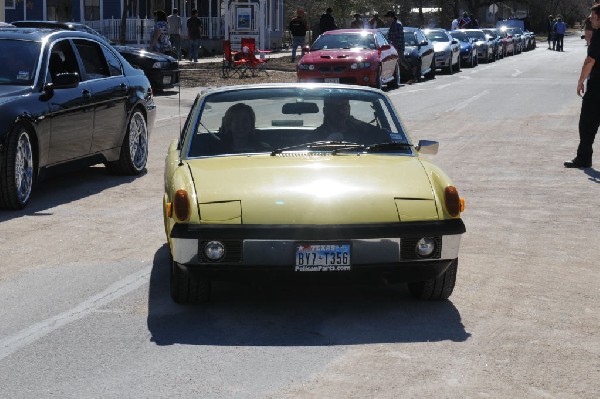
(352, 56)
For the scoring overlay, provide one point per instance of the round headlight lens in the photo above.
(214, 250)
(354, 66)
(311, 67)
(425, 247)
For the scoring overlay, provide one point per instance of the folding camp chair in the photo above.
(233, 62)
(255, 58)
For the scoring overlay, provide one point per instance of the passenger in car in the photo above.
(339, 125)
(238, 130)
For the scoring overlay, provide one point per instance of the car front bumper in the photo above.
(365, 76)
(386, 248)
(161, 79)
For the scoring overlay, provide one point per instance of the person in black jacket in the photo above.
(298, 30)
(327, 22)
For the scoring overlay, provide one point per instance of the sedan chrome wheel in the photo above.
(23, 167)
(138, 141)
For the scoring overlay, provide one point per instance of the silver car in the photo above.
(447, 50)
(485, 48)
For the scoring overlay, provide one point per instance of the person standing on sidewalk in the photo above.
(589, 118)
(298, 30)
(327, 21)
(174, 22)
(194, 27)
(559, 32)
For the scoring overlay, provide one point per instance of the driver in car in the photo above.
(339, 125)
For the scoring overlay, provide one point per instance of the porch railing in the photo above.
(139, 30)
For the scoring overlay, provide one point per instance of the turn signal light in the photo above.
(454, 204)
(181, 205)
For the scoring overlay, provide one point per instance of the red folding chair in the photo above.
(256, 58)
(233, 61)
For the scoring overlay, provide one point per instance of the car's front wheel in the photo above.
(439, 288)
(395, 82)
(450, 67)
(187, 290)
(431, 73)
(17, 170)
(379, 79)
(134, 150)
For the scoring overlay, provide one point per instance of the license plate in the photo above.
(332, 80)
(322, 257)
(166, 80)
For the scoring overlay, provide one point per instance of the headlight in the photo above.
(425, 247)
(160, 64)
(360, 65)
(306, 67)
(214, 250)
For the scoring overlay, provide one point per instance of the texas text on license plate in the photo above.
(332, 80)
(322, 257)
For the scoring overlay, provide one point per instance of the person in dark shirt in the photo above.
(298, 30)
(340, 125)
(589, 118)
(327, 21)
(194, 26)
(396, 38)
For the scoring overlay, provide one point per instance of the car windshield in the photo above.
(476, 34)
(437, 36)
(460, 36)
(345, 41)
(293, 119)
(409, 38)
(19, 68)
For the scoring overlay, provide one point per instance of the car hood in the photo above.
(339, 189)
(441, 46)
(138, 52)
(9, 93)
(338, 55)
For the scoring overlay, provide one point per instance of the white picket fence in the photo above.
(139, 30)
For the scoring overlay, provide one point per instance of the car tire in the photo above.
(431, 73)
(134, 149)
(379, 79)
(439, 288)
(458, 66)
(449, 68)
(17, 170)
(395, 82)
(187, 290)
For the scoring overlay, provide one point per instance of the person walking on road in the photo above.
(194, 26)
(298, 30)
(327, 21)
(174, 22)
(589, 118)
(550, 28)
(559, 32)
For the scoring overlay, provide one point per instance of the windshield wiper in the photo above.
(318, 145)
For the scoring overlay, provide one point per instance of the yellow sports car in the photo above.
(306, 179)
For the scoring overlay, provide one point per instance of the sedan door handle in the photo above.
(86, 94)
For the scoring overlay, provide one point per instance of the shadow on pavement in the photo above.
(593, 174)
(291, 314)
(64, 184)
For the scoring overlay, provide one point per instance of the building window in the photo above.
(91, 10)
(10, 4)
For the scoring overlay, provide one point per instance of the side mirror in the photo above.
(427, 147)
(385, 47)
(305, 49)
(454, 41)
(424, 43)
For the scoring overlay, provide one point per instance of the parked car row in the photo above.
(67, 96)
(365, 57)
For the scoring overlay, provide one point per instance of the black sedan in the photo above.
(162, 70)
(418, 53)
(65, 96)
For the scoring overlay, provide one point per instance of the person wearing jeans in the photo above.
(194, 26)
(298, 29)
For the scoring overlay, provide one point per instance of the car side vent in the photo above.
(408, 251)
(233, 252)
